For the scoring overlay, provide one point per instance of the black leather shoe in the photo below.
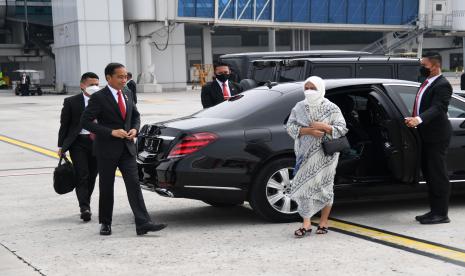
(418, 218)
(435, 219)
(149, 227)
(105, 229)
(86, 215)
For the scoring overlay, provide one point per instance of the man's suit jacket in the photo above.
(70, 121)
(104, 108)
(132, 86)
(434, 105)
(212, 93)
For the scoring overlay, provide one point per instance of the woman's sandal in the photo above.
(302, 232)
(322, 230)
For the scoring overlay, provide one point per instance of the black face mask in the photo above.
(425, 72)
(223, 77)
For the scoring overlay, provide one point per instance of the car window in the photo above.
(408, 94)
(408, 72)
(375, 71)
(241, 105)
(263, 74)
(291, 73)
(456, 108)
(332, 72)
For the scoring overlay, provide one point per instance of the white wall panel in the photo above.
(97, 32)
(114, 10)
(96, 9)
(116, 32)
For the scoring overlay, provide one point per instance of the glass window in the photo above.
(375, 71)
(407, 94)
(293, 73)
(408, 72)
(263, 74)
(456, 108)
(332, 72)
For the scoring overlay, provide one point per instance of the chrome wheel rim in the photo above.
(278, 188)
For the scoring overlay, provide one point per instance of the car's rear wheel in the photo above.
(222, 204)
(270, 197)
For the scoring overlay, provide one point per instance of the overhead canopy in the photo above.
(26, 71)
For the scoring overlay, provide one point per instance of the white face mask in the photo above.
(92, 89)
(313, 97)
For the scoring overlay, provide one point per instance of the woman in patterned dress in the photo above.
(311, 122)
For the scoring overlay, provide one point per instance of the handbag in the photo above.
(64, 180)
(330, 147)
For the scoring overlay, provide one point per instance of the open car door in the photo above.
(456, 153)
(399, 142)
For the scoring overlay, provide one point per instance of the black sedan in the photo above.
(240, 151)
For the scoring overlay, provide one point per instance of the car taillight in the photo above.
(192, 143)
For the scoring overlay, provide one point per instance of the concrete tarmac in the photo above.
(41, 233)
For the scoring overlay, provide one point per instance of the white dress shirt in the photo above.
(115, 95)
(227, 87)
(86, 102)
(422, 92)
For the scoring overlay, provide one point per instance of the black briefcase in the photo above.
(330, 147)
(64, 180)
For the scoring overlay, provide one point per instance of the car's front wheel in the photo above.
(270, 196)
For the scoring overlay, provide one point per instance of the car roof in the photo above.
(383, 59)
(338, 83)
(296, 53)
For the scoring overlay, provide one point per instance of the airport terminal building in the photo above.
(161, 41)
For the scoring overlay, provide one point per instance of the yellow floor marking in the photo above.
(401, 241)
(419, 246)
(35, 148)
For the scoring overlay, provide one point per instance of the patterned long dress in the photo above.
(312, 186)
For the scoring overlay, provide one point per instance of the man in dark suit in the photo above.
(24, 83)
(430, 117)
(221, 88)
(116, 126)
(131, 84)
(78, 141)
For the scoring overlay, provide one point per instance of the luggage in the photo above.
(64, 180)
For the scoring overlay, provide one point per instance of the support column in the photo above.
(300, 40)
(420, 46)
(272, 40)
(207, 51)
(162, 57)
(463, 45)
(147, 81)
(307, 46)
(86, 40)
(145, 59)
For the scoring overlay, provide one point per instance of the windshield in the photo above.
(241, 105)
